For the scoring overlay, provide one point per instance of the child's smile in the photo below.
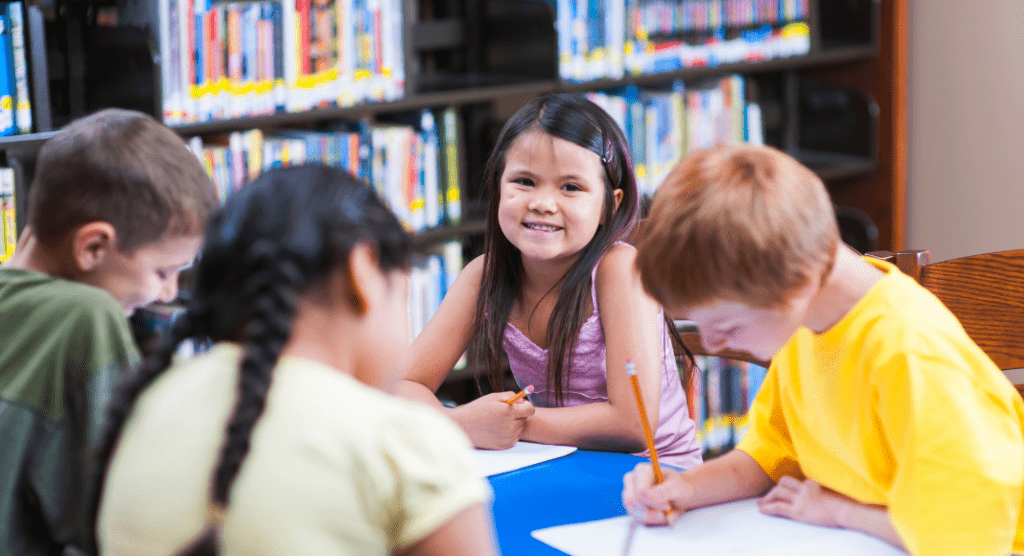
(552, 197)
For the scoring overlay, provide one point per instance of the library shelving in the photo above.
(824, 80)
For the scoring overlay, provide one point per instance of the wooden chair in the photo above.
(985, 292)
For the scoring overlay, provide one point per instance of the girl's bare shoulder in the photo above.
(619, 260)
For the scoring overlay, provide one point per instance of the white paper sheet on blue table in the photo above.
(523, 454)
(726, 529)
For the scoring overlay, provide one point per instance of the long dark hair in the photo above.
(275, 240)
(581, 122)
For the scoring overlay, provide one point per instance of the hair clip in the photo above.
(609, 150)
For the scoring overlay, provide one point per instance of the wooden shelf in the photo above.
(26, 142)
(435, 235)
(460, 97)
(831, 57)
(835, 166)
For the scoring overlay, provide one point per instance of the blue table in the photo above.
(583, 486)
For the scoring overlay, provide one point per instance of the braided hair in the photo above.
(275, 240)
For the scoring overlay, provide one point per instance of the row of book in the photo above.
(8, 229)
(662, 126)
(231, 59)
(413, 167)
(720, 395)
(668, 18)
(15, 104)
(429, 280)
(607, 39)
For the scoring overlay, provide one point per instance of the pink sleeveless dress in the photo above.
(588, 383)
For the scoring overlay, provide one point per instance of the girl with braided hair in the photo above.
(282, 439)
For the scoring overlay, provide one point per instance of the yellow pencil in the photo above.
(523, 393)
(631, 370)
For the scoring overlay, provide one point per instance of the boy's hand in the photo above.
(650, 502)
(805, 501)
(491, 423)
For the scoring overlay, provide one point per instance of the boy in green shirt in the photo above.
(115, 211)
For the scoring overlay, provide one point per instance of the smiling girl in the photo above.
(558, 293)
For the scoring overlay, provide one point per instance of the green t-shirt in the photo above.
(63, 345)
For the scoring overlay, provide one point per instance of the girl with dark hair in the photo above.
(281, 439)
(558, 293)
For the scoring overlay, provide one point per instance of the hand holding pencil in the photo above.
(643, 476)
(491, 422)
(522, 394)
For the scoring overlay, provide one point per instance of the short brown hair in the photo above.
(125, 168)
(740, 223)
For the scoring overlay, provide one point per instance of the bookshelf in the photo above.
(839, 107)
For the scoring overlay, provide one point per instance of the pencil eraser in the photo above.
(630, 367)
(529, 389)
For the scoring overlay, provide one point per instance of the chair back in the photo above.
(985, 292)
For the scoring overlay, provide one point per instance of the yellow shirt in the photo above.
(896, 406)
(335, 468)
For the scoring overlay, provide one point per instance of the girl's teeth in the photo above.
(542, 227)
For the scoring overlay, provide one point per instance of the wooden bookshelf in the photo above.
(447, 47)
(874, 183)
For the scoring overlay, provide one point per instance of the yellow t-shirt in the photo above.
(896, 406)
(335, 467)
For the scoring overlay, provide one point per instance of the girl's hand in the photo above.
(491, 423)
(805, 501)
(651, 502)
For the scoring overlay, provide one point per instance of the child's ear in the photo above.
(617, 196)
(91, 243)
(363, 277)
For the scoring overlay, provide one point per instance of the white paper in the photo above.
(523, 454)
(726, 529)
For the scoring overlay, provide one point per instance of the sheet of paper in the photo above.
(523, 454)
(727, 529)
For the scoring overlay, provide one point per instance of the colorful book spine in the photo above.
(601, 39)
(661, 126)
(429, 281)
(8, 237)
(240, 59)
(430, 171)
(169, 57)
(719, 395)
(19, 61)
(450, 144)
(7, 126)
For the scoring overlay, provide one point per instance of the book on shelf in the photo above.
(429, 280)
(8, 229)
(7, 98)
(720, 394)
(18, 67)
(607, 39)
(224, 59)
(663, 125)
(15, 95)
(409, 166)
(449, 134)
